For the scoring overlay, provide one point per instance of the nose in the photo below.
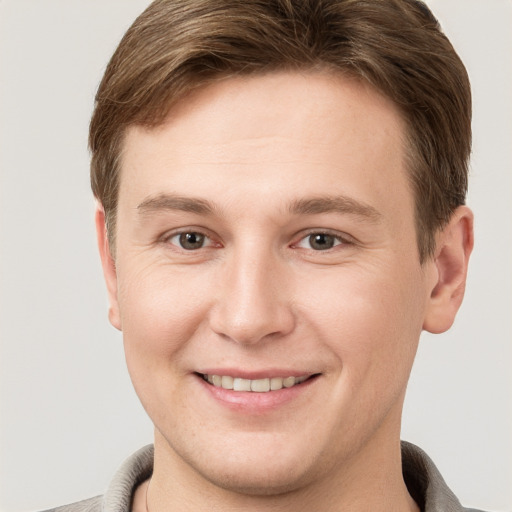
(253, 299)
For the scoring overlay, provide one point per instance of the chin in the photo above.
(259, 465)
(257, 481)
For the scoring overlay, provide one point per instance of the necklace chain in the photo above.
(147, 490)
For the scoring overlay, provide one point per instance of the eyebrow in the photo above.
(335, 204)
(175, 202)
(306, 206)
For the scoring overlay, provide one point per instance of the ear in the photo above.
(109, 266)
(450, 264)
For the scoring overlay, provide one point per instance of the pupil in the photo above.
(191, 240)
(321, 241)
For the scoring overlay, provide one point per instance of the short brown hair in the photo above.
(397, 46)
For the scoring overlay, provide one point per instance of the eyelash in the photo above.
(194, 234)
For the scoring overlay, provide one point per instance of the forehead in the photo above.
(276, 132)
(309, 96)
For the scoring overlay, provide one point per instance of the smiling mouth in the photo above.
(254, 385)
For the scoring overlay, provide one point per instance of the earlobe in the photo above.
(109, 266)
(453, 249)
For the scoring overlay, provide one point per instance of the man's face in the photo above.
(266, 231)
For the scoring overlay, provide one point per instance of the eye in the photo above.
(190, 240)
(320, 241)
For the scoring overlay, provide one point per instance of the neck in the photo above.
(371, 480)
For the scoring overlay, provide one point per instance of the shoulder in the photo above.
(425, 483)
(89, 505)
(118, 496)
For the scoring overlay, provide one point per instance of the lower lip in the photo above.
(252, 402)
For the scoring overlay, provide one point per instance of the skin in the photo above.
(259, 297)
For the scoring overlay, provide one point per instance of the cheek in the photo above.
(161, 309)
(370, 318)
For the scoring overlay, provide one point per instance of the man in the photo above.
(280, 214)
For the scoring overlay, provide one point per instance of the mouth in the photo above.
(264, 385)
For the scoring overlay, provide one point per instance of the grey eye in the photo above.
(190, 241)
(322, 241)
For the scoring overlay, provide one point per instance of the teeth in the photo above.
(227, 382)
(289, 382)
(260, 385)
(241, 385)
(256, 385)
(276, 383)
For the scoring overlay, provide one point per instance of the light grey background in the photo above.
(68, 413)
